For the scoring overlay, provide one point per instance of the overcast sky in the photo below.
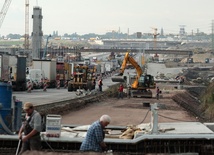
(101, 16)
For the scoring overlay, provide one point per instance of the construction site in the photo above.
(164, 105)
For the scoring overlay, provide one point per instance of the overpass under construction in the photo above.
(147, 51)
(63, 51)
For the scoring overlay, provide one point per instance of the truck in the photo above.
(103, 69)
(64, 71)
(97, 68)
(36, 76)
(189, 60)
(109, 66)
(94, 59)
(17, 68)
(49, 68)
(87, 61)
(83, 78)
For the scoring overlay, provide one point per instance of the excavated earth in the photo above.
(174, 105)
(127, 111)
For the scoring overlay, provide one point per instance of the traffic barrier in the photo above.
(58, 84)
(41, 84)
(45, 86)
(29, 87)
(65, 84)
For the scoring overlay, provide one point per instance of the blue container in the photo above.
(5, 104)
(5, 95)
(6, 115)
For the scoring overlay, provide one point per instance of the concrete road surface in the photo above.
(38, 96)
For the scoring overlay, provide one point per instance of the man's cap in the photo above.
(27, 105)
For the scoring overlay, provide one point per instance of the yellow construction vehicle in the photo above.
(142, 82)
(83, 78)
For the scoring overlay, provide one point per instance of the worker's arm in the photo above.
(31, 134)
(20, 131)
(100, 138)
(37, 127)
(103, 146)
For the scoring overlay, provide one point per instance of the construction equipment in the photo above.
(46, 46)
(64, 71)
(4, 11)
(83, 78)
(142, 82)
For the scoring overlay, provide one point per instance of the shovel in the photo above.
(17, 150)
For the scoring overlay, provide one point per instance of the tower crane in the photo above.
(4, 11)
(26, 36)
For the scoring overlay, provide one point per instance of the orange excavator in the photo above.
(142, 83)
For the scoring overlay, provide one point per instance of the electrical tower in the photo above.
(4, 11)
(26, 36)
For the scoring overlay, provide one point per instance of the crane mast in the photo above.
(4, 11)
(26, 43)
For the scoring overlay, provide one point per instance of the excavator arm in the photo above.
(128, 58)
(121, 78)
(141, 81)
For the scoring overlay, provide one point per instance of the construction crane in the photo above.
(4, 11)
(26, 36)
(46, 47)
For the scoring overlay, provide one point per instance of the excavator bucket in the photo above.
(117, 78)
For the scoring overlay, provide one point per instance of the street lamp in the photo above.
(46, 46)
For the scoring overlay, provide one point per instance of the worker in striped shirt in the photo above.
(94, 140)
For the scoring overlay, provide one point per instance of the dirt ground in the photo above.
(131, 111)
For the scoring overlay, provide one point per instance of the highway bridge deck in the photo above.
(122, 50)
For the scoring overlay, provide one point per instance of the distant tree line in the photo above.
(119, 35)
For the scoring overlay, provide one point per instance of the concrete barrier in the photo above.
(65, 106)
